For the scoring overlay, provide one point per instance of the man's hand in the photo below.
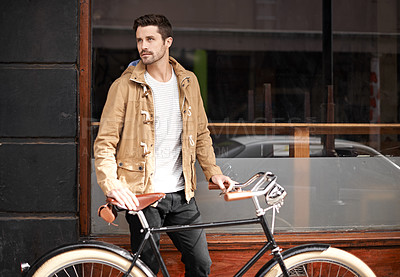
(125, 198)
(220, 180)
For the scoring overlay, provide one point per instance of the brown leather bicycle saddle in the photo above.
(108, 212)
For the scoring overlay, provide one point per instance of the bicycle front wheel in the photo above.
(331, 262)
(89, 262)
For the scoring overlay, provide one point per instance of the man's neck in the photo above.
(161, 71)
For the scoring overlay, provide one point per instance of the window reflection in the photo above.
(279, 146)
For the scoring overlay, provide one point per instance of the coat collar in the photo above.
(137, 70)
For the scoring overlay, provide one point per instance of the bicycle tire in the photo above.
(97, 262)
(330, 262)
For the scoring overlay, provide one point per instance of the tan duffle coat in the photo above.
(124, 147)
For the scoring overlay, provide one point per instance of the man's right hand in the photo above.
(125, 198)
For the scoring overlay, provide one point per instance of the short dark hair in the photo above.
(164, 27)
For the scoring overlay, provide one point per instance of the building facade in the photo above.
(307, 89)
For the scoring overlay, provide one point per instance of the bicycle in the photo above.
(94, 258)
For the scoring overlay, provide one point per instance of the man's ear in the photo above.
(168, 41)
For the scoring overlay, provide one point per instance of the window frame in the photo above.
(385, 243)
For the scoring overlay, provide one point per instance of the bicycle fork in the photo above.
(275, 249)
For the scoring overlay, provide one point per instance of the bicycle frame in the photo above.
(261, 219)
(303, 257)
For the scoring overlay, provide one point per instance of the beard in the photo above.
(151, 57)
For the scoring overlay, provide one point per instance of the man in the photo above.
(152, 129)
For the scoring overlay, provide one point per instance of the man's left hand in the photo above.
(221, 180)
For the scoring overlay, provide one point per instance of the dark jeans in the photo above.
(174, 210)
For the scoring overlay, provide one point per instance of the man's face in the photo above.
(150, 44)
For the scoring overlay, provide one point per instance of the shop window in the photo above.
(260, 68)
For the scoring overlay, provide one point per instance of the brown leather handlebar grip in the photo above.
(237, 195)
(212, 186)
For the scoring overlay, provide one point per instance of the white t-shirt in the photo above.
(168, 175)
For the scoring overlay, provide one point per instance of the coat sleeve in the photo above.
(106, 143)
(204, 149)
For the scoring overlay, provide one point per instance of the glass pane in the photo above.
(356, 193)
(262, 62)
(323, 193)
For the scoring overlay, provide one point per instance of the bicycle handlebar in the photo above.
(212, 186)
(240, 194)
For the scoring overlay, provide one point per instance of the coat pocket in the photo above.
(131, 173)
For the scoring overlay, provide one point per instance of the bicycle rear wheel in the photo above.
(328, 263)
(89, 262)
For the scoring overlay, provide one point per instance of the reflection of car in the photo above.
(278, 146)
